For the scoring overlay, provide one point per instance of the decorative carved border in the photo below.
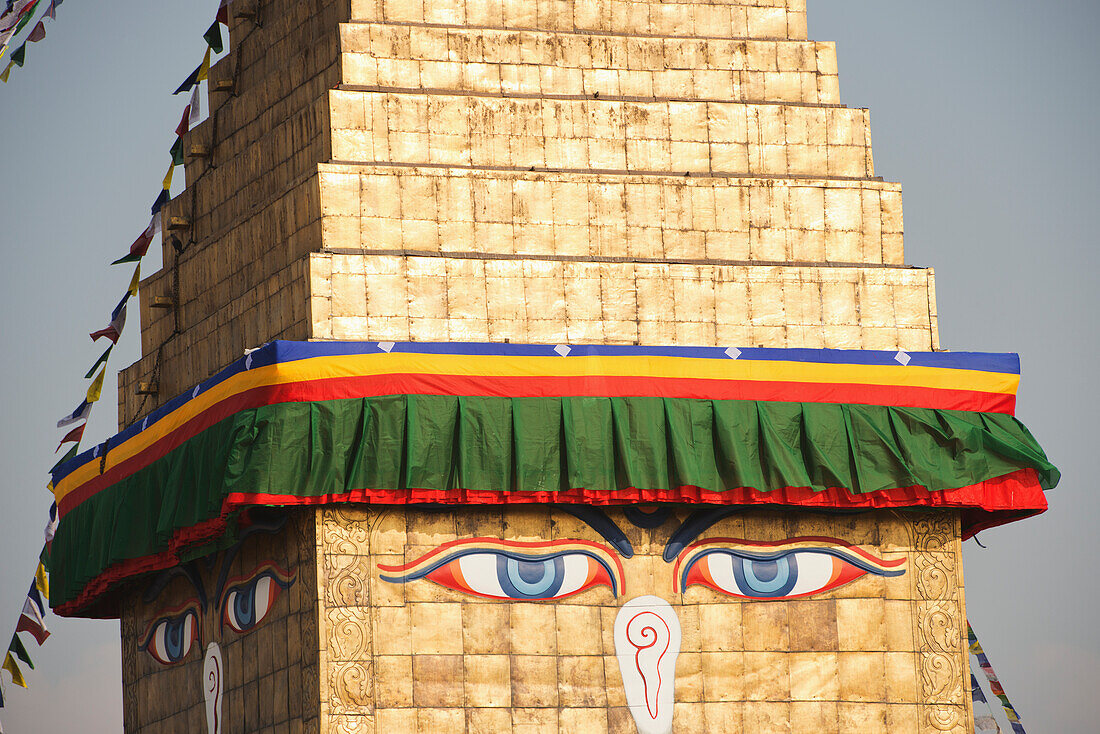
(939, 621)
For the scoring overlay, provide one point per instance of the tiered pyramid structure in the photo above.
(540, 171)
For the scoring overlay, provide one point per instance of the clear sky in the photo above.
(985, 111)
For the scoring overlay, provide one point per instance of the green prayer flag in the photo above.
(102, 359)
(16, 647)
(71, 453)
(19, 56)
(213, 37)
(44, 556)
(177, 152)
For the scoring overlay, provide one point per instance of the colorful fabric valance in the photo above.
(313, 423)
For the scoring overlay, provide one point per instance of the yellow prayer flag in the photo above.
(96, 387)
(42, 581)
(134, 280)
(204, 67)
(16, 674)
(4, 73)
(168, 177)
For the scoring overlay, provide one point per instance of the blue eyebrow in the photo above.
(602, 524)
(696, 523)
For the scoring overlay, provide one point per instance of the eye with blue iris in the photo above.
(245, 605)
(170, 638)
(516, 571)
(782, 574)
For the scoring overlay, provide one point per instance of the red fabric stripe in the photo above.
(984, 505)
(405, 384)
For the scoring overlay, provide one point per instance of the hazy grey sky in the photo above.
(986, 112)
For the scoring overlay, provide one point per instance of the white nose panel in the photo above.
(647, 642)
(213, 681)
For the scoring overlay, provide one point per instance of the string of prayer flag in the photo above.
(14, 19)
(994, 682)
(15, 15)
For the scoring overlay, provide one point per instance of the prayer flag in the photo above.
(976, 692)
(34, 596)
(13, 667)
(51, 528)
(70, 454)
(195, 108)
(96, 388)
(31, 621)
(38, 33)
(213, 37)
(141, 244)
(135, 281)
(223, 12)
(51, 12)
(168, 176)
(19, 56)
(162, 198)
(20, 651)
(102, 360)
(204, 67)
(189, 82)
(4, 74)
(184, 126)
(177, 151)
(72, 436)
(42, 581)
(81, 413)
(113, 330)
(986, 723)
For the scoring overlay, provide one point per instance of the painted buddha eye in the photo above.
(779, 574)
(496, 569)
(170, 638)
(245, 605)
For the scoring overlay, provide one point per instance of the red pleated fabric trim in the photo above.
(983, 505)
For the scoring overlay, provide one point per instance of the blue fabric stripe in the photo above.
(291, 351)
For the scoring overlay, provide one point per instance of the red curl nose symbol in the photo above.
(642, 627)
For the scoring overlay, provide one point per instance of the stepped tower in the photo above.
(504, 180)
(532, 171)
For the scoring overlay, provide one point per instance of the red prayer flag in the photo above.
(34, 627)
(38, 33)
(184, 125)
(72, 436)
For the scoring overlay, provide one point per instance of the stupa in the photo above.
(539, 366)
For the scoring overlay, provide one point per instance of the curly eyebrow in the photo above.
(599, 521)
(188, 571)
(692, 527)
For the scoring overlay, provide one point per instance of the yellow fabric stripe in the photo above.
(656, 367)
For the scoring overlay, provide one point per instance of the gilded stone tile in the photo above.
(814, 676)
(534, 680)
(393, 681)
(862, 676)
(488, 721)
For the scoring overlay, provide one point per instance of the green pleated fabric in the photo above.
(517, 445)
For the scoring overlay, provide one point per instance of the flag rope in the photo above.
(994, 683)
(13, 20)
